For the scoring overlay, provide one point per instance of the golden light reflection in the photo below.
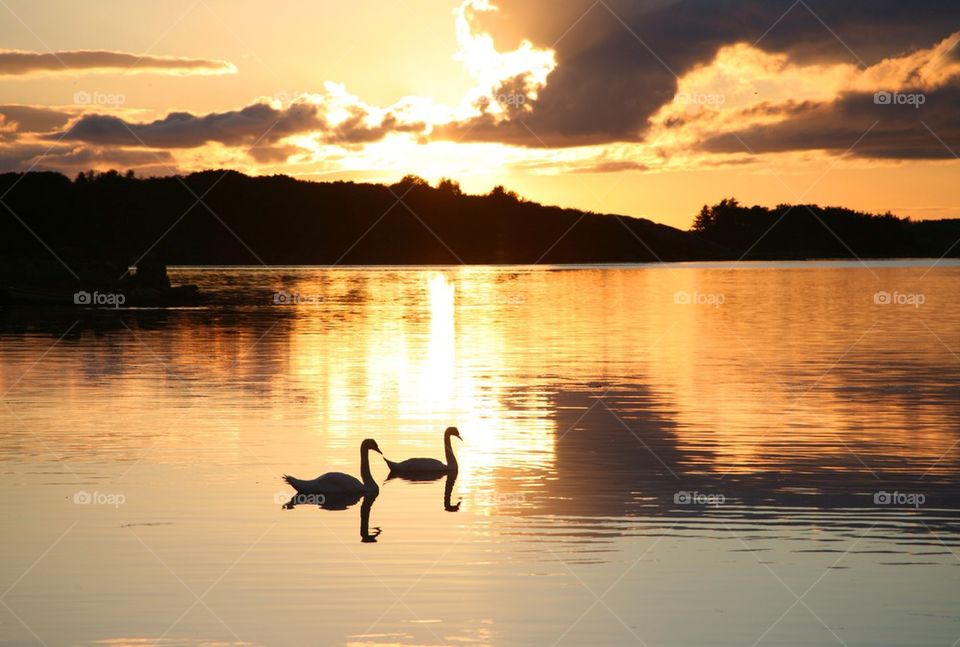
(506, 355)
(423, 367)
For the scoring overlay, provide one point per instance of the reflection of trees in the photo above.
(603, 471)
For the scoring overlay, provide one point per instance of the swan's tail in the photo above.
(293, 482)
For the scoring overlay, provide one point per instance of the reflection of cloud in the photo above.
(24, 63)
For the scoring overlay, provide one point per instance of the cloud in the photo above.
(331, 118)
(356, 129)
(71, 159)
(507, 82)
(33, 119)
(254, 123)
(611, 167)
(749, 101)
(873, 130)
(78, 159)
(619, 61)
(23, 63)
(588, 87)
(273, 154)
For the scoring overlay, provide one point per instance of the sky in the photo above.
(647, 108)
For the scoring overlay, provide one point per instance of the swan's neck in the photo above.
(365, 474)
(451, 459)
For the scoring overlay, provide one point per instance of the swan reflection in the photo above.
(342, 502)
(421, 477)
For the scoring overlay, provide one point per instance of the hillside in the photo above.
(113, 220)
(280, 220)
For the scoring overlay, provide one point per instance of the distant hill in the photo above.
(280, 220)
(114, 219)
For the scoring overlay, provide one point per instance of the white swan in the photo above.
(338, 482)
(429, 465)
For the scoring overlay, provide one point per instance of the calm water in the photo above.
(684, 455)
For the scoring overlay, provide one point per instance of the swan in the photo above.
(338, 482)
(420, 466)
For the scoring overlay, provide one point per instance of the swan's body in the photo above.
(329, 483)
(424, 466)
(338, 482)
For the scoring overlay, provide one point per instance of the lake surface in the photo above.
(751, 454)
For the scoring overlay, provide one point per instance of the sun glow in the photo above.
(423, 367)
(527, 65)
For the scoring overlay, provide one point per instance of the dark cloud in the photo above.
(17, 157)
(617, 60)
(68, 158)
(33, 119)
(101, 158)
(895, 130)
(19, 63)
(617, 65)
(355, 129)
(258, 125)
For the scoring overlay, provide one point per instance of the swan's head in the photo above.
(370, 444)
(452, 431)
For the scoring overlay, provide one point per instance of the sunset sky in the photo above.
(646, 108)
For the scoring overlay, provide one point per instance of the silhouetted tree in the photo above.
(807, 231)
(410, 182)
(449, 187)
(500, 193)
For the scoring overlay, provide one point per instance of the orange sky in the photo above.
(470, 89)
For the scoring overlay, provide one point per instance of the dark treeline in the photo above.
(280, 220)
(114, 218)
(811, 231)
